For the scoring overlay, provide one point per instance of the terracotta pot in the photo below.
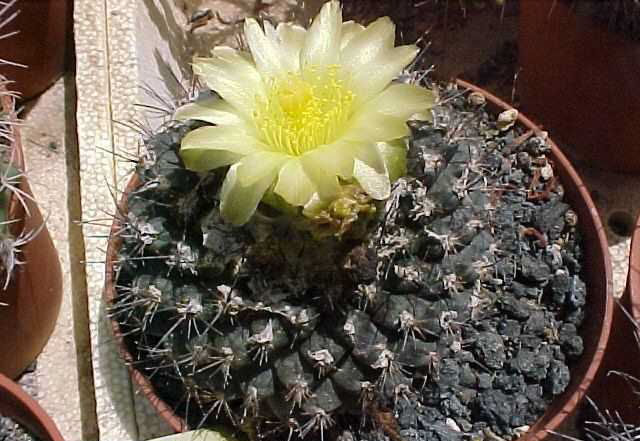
(17, 405)
(597, 269)
(610, 391)
(45, 29)
(633, 280)
(34, 294)
(580, 81)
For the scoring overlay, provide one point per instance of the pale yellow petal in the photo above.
(201, 160)
(227, 53)
(256, 166)
(371, 126)
(294, 185)
(322, 41)
(394, 155)
(370, 80)
(402, 101)
(326, 182)
(237, 202)
(384, 117)
(291, 38)
(314, 206)
(265, 50)
(370, 171)
(336, 158)
(370, 155)
(233, 77)
(271, 32)
(349, 30)
(366, 46)
(207, 148)
(379, 164)
(374, 182)
(212, 110)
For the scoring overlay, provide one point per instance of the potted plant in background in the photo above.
(31, 291)
(31, 288)
(633, 283)
(292, 257)
(580, 61)
(22, 409)
(616, 388)
(44, 28)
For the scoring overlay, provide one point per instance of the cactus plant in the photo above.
(449, 308)
(30, 296)
(10, 178)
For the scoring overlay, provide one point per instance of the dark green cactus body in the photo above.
(459, 312)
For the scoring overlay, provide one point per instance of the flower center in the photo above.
(305, 110)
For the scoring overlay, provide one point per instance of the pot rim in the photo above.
(570, 399)
(27, 412)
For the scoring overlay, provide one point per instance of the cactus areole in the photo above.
(295, 260)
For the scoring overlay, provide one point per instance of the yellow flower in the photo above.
(303, 112)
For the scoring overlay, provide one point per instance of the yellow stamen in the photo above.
(305, 110)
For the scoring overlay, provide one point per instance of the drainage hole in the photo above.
(621, 223)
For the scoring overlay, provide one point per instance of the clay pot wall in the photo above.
(45, 28)
(580, 81)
